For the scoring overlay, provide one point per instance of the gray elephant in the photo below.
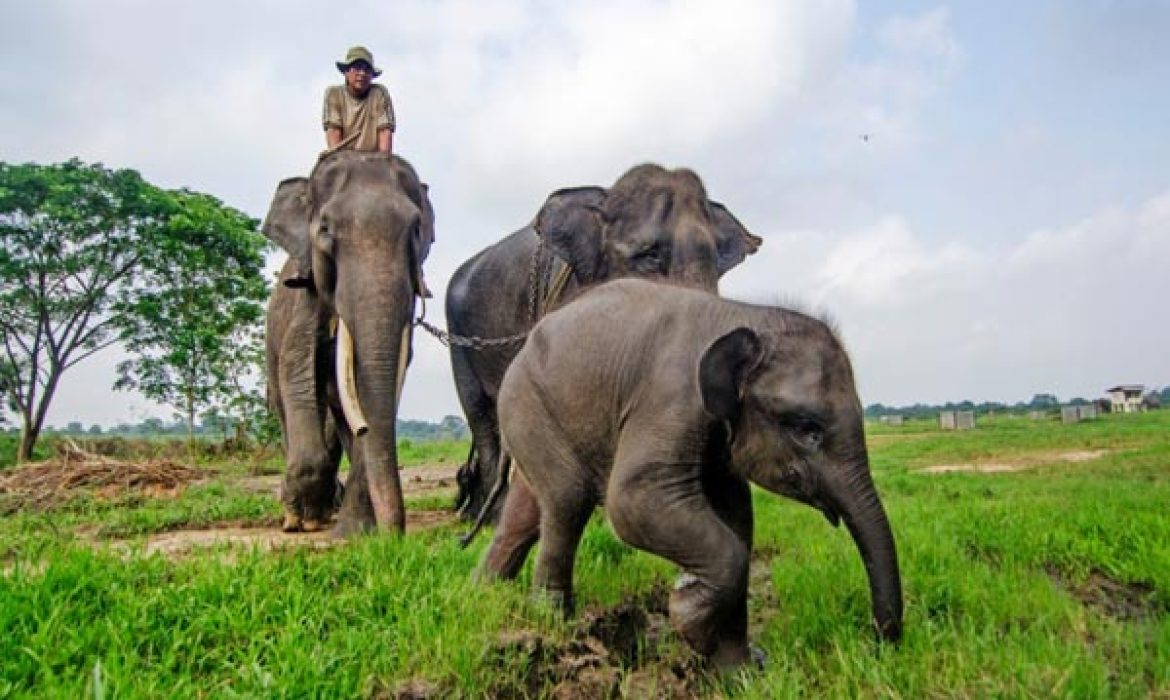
(663, 403)
(652, 222)
(338, 338)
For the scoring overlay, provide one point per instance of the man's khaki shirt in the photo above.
(359, 118)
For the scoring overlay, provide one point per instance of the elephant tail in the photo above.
(505, 466)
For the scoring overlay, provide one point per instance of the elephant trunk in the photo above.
(864, 516)
(379, 364)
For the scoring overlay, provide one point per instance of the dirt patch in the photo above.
(1021, 463)
(45, 485)
(1116, 599)
(416, 481)
(420, 480)
(981, 468)
(236, 537)
(180, 543)
(619, 651)
(1082, 455)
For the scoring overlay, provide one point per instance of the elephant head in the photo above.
(785, 396)
(357, 231)
(653, 222)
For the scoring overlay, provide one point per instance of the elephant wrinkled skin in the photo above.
(359, 227)
(652, 222)
(663, 403)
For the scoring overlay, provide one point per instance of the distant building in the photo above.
(894, 419)
(956, 420)
(1126, 398)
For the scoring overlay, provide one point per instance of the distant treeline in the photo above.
(450, 428)
(1039, 402)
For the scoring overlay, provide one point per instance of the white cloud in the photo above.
(925, 35)
(1066, 310)
(883, 264)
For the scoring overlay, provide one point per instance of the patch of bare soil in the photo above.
(44, 485)
(1021, 463)
(981, 468)
(179, 543)
(419, 480)
(176, 544)
(415, 481)
(613, 652)
(1116, 599)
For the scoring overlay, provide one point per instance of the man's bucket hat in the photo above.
(355, 54)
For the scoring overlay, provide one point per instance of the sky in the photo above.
(977, 193)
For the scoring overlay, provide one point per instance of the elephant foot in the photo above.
(559, 600)
(313, 525)
(292, 523)
(695, 613)
(309, 508)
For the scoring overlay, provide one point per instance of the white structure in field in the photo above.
(1126, 398)
(956, 420)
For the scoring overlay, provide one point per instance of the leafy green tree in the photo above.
(85, 252)
(188, 332)
(244, 398)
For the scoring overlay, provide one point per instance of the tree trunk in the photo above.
(34, 418)
(28, 440)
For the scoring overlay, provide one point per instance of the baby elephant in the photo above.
(662, 403)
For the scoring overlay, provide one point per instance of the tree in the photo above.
(84, 252)
(189, 331)
(1044, 401)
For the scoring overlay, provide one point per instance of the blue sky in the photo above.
(1004, 231)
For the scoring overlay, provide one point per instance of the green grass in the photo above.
(1051, 581)
(449, 452)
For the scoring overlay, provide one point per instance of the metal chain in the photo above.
(475, 342)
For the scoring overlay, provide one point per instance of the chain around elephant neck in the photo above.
(477, 343)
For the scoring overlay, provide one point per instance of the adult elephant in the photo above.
(652, 222)
(357, 231)
(663, 404)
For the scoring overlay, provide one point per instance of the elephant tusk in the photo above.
(403, 358)
(347, 382)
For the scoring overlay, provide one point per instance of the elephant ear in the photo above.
(425, 235)
(724, 370)
(734, 241)
(422, 235)
(571, 224)
(287, 225)
(422, 238)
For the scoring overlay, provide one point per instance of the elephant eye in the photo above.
(808, 432)
(649, 258)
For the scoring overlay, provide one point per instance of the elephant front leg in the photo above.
(672, 517)
(310, 490)
(356, 515)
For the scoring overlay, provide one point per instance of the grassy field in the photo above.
(1035, 562)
